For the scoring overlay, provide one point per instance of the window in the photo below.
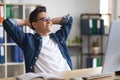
(104, 6)
(105, 11)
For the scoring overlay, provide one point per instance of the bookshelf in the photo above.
(93, 34)
(10, 65)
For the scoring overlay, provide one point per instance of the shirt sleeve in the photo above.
(66, 24)
(13, 30)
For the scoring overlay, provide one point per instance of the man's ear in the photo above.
(33, 24)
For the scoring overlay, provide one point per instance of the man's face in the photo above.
(43, 23)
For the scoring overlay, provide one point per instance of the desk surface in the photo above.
(77, 73)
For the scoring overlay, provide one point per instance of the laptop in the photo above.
(112, 55)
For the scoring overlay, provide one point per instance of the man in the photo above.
(43, 51)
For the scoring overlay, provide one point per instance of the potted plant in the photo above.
(95, 46)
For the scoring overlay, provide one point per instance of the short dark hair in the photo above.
(34, 14)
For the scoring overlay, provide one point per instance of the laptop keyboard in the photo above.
(96, 76)
(117, 78)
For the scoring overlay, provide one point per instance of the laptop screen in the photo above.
(112, 56)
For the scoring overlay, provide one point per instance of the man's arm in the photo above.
(11, 27)
(66, 24)
(61, 20)
(23, 22)
(56, 20)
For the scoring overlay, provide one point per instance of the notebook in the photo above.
(112, 55)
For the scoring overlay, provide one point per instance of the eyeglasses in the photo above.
(44, 19)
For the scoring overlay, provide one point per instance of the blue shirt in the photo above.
(31, 43)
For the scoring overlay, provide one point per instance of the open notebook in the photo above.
(39, 76)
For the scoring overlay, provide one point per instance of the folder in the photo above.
(21, 55)
(2, 54)
(15, 54)
(1, 14)
(1, 35)
(8, 11)
(14, 11)
(11, 40)
(100, 26)
(86, 26)
(93, 62)
(89, 62)
(94, 28)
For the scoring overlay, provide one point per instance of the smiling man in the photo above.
(43, 51)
